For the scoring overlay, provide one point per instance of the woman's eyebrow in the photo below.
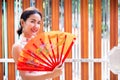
(34, 19)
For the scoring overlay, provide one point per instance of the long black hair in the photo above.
(25, 15)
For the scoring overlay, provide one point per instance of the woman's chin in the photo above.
(34, 34)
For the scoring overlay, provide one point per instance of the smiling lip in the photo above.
(34, 30)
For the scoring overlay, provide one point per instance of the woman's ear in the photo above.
(22, 22)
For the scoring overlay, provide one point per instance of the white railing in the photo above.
(77, 75)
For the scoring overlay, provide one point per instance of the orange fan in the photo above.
(46, 51)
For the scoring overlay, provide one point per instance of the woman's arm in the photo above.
(37, 76)
(26, 75)
(16, 49)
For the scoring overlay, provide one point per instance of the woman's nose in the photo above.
(36, 25)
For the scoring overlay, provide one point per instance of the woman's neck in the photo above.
(27, 37)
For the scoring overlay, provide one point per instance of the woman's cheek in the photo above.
(37, 28)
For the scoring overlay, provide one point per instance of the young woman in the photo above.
(29, 26)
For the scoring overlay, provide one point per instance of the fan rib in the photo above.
(52, 47)
(63, 48)
(35, 56)
(28, 63)
(47, 51)
(23, 66)
(57, 49)
(68, 50)
(42, 53)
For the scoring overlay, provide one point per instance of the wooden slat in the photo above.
(113, 29)
(84, 38)
(25, 4)
(10, 28)
(55, 19)
(55, 14)
(1, 64)
(68, 15)
(39, 5)
(97, 38)
(68, 28)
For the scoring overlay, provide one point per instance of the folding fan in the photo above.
(46, 51)
(114, 60)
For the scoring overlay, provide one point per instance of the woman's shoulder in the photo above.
(16, 45)
(16, 49)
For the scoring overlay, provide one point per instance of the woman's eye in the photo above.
(38, 22)
(32, 21)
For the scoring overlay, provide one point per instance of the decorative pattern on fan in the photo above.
(46, 51)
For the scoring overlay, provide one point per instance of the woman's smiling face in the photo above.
(32, 25)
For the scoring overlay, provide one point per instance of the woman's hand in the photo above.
(58, 70)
